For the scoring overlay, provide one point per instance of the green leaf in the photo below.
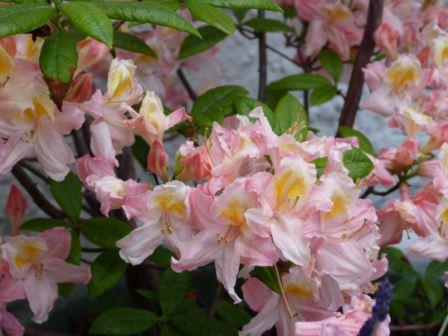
(245, 105)
(398, 262)
(194, 45)
(232, 314)
(147, 13)
(268, 25)
(107, 269)
(267, 276)
(302, 81)
(161, 256)
(364, 142)
(405, 288)
(240, 14)
(433, 291)
(89, 19)
(290, 114)
(104, 232)
(23, 18)
(68, 195)
(132, 43)
(321, 164)
(436, 269)
(332, 63)
(140, 149)
(172, 289)
(42, 224)
(211, 15)
(168, 330)
(150, 295)
(123, 321)
(358, 164)
(246, 4)
(323, 94)
(170, 4)
(58, 57)
(216, 104)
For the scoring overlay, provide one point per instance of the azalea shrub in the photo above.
(170, 203)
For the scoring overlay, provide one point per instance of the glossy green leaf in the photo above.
(289, 114)
(246, 4)
(150, 295)
(103, 231)
(140, 149)
(321, 164)
(89, 19)
(132, 43)
(268, 277)
(332, 62)
(194, 45)
(303, 81)
(123, 321)
(323, 94)
(146, 13)
(107, 269)
(245, 105)
(364, 142)
(172, 289)
(405, 288)
(436, 269)
(268, 25)
(398, 261)
(68, 195)
(58, 57)
(42, 224)
(233, 314)
(215, 104)
(211, 15)
(433, 291)
(358, 164)
(23, 18)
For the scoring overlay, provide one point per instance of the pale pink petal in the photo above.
(265, 319)
(63, 272)
(101, 141)
(432, 247)
(41, 293)
(227, 266)
(177, 117)
(58, 242)
(10, 324)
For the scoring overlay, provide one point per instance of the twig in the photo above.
(372, 191)
(28, 166)
(80, 143)
(414, 327)
(444, 325)
(92, 249)
(281, 54)
(263, 60)
(365, 52)
(216, 298)
(284, 298)
(126, 168)
(186, 84)
(32, 189)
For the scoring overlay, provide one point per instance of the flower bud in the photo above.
(386, 38)
(15, 208)
(81, 88)
(157, 160)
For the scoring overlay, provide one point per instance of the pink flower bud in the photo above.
(386, 38)
(157, 160)
(407, 152)
(194, 162)
(15, 208)
(81, 88)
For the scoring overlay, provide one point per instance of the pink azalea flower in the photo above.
(229, 239)
(38, 263)
(165, 221)
(15, 208)
(31, 123)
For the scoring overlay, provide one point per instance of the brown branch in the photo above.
(183, 79)
(263, 60)
(216, 298)
(365, 52)
(32, 189)
(412, 328)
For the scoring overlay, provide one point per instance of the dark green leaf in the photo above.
(405, 288)
(140, 149)
(23, 18)
(42, 224)
(235, 315)
(170, 4)
(245, 105)
(268, 25)
(398, 262)
(89, 19)
(289, 114)
(132, 43)
(150, 295)
(364, 142)
(323, 94)
(246, 4)
(215, 104)
(147, 13)
(74, 257)
(107, 269)
(68, 195)
(332, 62)
(272, 97)
(436, 269)
(303, 81)
(172, 289)
(240, 14)
(194, 45)
(433, 291)
(58, 57)
(161, 256)
(123, 321)
(358, 164)
(211, 15)
(104, 232)
(267, 275)
(168, 330)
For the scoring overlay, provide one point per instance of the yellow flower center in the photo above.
(234, 212)
(402, 74)
(29, 252)
(299, 290)
(6, 64)
(288, 188)
(340, 205)
(38, 110)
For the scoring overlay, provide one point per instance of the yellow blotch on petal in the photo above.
(6, 65)
(403, 73)
(234, 212)
(341, 205)
(299, 290)
(169, 203)
(337, 13)
(289, 187)
(40, 108)
(29, 251)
